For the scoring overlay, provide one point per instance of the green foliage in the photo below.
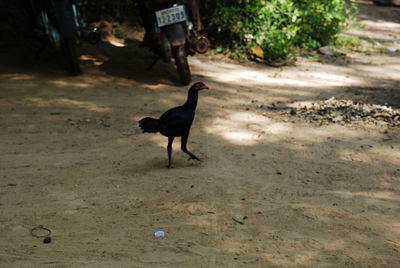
(349, 43)
(278, 27)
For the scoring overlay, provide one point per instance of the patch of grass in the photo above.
(347, 43)
(315, 58)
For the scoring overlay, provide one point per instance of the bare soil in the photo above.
(73, 159)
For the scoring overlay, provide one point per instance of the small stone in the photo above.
(105, 123)
(338, 118)
(329, 51)
(47, 240)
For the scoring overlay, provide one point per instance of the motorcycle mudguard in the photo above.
(166, 47)
(175, 34)
(62, 15)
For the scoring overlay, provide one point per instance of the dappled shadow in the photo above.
(21, 56)
(133, 62)
(129, 62)
(380, 27)
(369, 11)
(386, 95)
(311, 194)
(307, 195)
(359, 81)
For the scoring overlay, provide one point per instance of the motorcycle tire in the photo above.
(182, 65)
(70, 55)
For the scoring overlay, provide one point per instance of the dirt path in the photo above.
(73, 159)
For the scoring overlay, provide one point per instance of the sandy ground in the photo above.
(73, 160)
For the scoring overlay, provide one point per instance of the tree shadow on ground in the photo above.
(369, 11)
(312, 195)
(133, 62)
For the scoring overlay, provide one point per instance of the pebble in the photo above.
(105, 123)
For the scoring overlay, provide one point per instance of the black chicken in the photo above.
(176, 122)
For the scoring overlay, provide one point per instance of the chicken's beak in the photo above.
(204, 87)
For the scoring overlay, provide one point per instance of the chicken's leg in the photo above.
(169, 150)
(184, 149)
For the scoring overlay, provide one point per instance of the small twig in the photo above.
(237, 221)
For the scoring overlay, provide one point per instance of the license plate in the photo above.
(171, 15)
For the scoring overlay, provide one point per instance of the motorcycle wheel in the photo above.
(182, 65)
(70, 55)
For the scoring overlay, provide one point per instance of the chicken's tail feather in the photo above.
(149, 124)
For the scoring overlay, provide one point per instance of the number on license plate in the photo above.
(171, 15)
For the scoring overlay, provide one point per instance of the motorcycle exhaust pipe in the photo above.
(92, 35)
(201, 45)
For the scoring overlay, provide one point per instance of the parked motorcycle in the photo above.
(176, 27)
(59, 23)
